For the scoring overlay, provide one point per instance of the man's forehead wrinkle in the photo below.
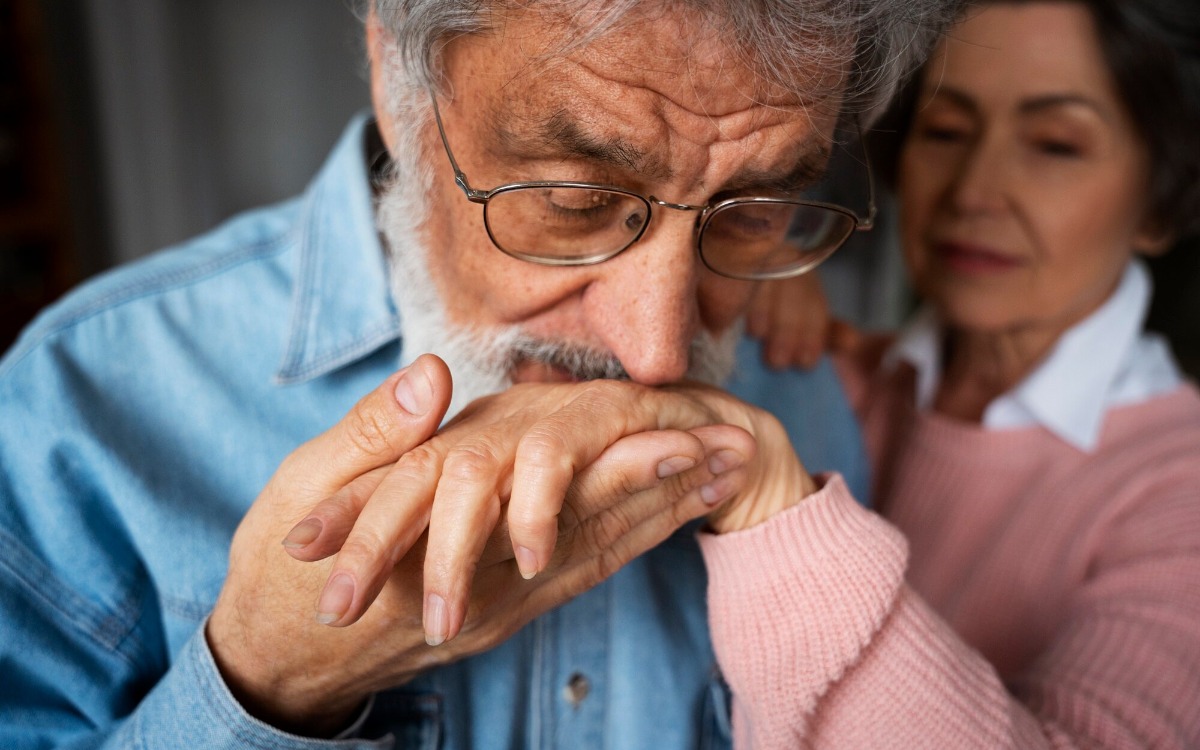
(563, 133)
(706, 54)
(743, 102)
(684, 127)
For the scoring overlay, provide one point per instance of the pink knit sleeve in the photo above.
(823, 645)
(793, 603)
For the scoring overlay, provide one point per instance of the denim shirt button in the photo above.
(576, 689)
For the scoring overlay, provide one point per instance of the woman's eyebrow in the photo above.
(1029, 105)
(1044, 102)
(958, 98)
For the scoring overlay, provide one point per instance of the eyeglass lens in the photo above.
(758, 240)
(573, 225)
(563, 224)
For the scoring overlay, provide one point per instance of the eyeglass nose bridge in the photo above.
(676, 206)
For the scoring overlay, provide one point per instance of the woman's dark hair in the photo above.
(1152, 48)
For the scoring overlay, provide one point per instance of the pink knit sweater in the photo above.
(1011, 591)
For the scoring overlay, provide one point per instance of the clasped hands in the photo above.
(455, 538)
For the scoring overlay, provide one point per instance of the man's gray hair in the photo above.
(890, 38)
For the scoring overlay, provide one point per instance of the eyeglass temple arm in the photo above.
(868, 222)
(460, 178)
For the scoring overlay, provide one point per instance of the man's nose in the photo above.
(642, 304)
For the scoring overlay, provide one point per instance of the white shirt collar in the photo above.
(1103, 361)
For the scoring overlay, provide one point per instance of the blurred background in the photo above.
(130, 125)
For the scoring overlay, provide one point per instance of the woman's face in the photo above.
(1022, 181)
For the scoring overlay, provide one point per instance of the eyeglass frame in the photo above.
(482, 197)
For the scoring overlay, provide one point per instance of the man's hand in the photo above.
(627, 494)
(281, 666)
(559, 456)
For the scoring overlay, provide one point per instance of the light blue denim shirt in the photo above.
(141, 416)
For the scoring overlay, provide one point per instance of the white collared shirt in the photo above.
(1104, 361)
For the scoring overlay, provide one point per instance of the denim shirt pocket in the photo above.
(716, 730)
(413, 719)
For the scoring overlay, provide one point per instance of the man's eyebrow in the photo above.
(803, 175)
(561, 135)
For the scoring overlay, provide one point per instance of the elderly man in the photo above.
(526, 574)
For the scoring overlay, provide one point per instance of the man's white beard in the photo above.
(481, 359)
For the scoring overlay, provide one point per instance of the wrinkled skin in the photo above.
(533, 495)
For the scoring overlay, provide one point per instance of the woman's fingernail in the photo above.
(669, 467)
(717, 490)
(527, 562)
(414, 392)
(777, 357)
(724, 460)
(304, 533)
(335, 599)
(437, 620)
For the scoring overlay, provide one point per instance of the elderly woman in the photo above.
(1034, 450)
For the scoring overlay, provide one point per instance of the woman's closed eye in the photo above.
(1058, 148)
(943, 133)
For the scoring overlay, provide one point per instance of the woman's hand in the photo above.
(791, 317)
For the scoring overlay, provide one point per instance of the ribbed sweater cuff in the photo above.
(794, 601)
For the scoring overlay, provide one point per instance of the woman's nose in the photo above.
(980, 183)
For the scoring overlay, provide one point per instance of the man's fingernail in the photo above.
(414, 392)
(304, 533)
(335, 599)
(437, 620)
(716, 491)
(669, 467)
(527, 562)
(724, 460)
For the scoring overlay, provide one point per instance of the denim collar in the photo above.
(342, 308)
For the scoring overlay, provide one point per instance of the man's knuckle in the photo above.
(614, 486)
(606, 564)
(610, 393)
(545, 447)
(602, 530)
(528, 519)
(370, 433)
(677, 486)
(364, 549)
(472, 463)
(419, 464)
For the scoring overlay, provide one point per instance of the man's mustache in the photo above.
(580, 362)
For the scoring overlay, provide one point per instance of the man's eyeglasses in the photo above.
(579, 223)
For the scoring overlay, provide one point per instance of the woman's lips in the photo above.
(965, 258)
